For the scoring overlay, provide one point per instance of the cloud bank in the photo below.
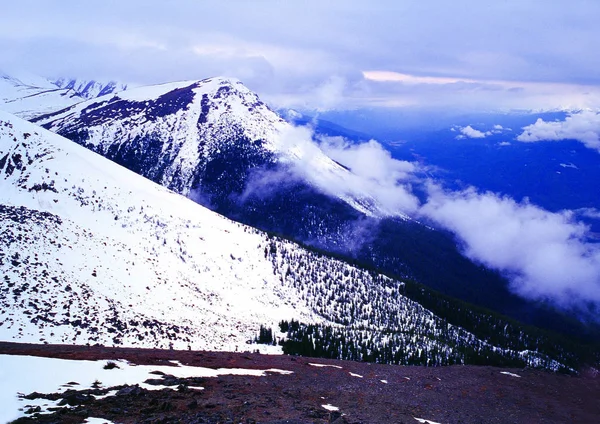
(366, 172)
(583, 126)
(471, 132)
(546, 256)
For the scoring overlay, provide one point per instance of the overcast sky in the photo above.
(324, 54)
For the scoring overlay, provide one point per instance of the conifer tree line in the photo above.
(348, 343)
(367, 316)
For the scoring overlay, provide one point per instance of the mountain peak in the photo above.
(188, 135)
(88, 89)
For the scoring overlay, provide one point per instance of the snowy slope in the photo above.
(92, 252)
(31, 96)
(177, 134)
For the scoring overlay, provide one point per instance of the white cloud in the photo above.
(375, 178)
(471, 132)
(588, 212)
(369, 160)
(545, 255)
(388, 179)
(583, 126)
(497, 129)
(504, 143)
(329, 94)
(396, 89)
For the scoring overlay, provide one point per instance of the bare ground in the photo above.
(446, 395)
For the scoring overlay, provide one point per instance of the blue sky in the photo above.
(325, 54)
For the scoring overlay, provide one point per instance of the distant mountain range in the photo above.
(89, 89)
(29, 95)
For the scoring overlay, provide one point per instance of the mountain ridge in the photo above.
(88, 89)
(185, 129)
(29, 96)
(134, 264)
(214, 141)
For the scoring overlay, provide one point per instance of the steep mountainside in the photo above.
(91, 252)
(188, 134)
(215, 142)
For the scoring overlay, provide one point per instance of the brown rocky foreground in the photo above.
(382, 393)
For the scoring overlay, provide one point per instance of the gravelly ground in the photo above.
(446, 395)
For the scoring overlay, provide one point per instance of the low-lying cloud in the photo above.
(546, 255)
(471, 132)
(583, 126)
(361, 171)
(388, 179)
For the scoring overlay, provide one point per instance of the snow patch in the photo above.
(424, 421)
(569, 165)
(27, 374)
(325, 365)
(92, 420)
(278, 371)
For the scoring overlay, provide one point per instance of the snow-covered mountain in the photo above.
(89, 89)
(183, 135)
(93, 253)
(215, 142)
(29, 96)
